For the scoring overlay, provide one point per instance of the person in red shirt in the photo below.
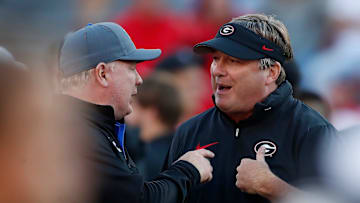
(152, 24)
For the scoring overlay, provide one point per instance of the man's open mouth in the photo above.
(223, 87)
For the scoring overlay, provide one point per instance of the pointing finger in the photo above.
(206, 153)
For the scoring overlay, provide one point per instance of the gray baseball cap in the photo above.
(101, 42)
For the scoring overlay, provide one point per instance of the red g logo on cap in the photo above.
(227, 30)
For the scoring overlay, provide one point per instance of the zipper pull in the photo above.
(267, 109)
(237, 132)
(115, 145)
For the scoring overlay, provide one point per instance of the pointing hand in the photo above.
(200, 159)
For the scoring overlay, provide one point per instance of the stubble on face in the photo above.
(123, 87)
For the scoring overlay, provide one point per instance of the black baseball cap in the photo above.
(101, 42)
(237, 41)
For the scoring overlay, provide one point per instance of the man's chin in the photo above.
(130, 110)
(121, 115)
(220, 103)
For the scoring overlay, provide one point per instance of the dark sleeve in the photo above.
(309, 151)
(177, 178)
(173, 184)
(118, 183)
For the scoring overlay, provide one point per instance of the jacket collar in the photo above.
(273, 101)
(102, 115)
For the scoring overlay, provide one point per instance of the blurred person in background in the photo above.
(189, 77)
(316, 102)
(38, 154)
(99, 78)
(157, 109)
(340, 57)
(340, 168)
(156, 18)
(264, 139)
(345, 97)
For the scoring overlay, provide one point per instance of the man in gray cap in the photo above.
(98, 65)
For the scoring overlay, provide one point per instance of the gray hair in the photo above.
(78, 80)
(271, 29)
(266, 63)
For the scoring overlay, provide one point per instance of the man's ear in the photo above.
(102, 74)
(273, 73)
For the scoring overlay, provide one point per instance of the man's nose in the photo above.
(218, 68)
(139, 80)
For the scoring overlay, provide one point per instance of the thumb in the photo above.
(260, 155)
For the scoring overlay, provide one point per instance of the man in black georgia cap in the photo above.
(99, 77)
(265, 141)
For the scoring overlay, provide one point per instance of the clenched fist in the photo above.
(255, 177)
(253, 174)
(199, 158)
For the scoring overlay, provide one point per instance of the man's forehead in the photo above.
(217, 52)
(228, 57)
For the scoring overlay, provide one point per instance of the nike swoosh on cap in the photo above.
(266, 49)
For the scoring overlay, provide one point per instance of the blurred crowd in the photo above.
(324, 36)
(325, 74)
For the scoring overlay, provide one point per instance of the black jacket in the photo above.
(119, 180)
(290, 129)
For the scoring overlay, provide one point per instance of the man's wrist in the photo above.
(274, 188)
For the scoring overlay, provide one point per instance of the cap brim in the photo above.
(228, 47)
(142, 55)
